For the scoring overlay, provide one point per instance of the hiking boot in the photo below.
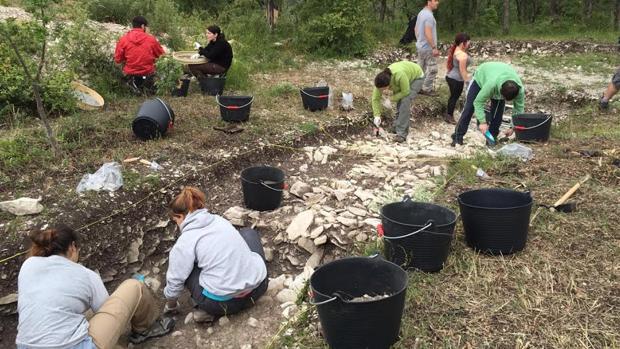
(449, 119)
(399, 139)
(603, 105)
(201, 316)
(160, 327)
(456, 141)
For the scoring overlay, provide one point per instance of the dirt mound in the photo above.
(488, 48)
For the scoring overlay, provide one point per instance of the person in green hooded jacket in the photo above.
(497, 82)
(405, 80)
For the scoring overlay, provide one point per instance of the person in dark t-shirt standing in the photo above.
(218, 51)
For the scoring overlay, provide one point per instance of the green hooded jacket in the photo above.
(403, 73)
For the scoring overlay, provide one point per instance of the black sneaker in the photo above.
(603, 105)
(399, 139)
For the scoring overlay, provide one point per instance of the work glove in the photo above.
(387, 103)
(377, 121)
(196, 45)
(171, 310)
(195, 56)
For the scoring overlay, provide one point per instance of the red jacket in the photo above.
(138, 50)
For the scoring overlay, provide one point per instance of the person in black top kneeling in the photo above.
(218, 51)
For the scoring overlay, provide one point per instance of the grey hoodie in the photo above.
(228, 266)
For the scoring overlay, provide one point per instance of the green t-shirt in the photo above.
(490, 76)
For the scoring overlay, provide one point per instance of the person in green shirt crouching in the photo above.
(404, 79)
(495, 81)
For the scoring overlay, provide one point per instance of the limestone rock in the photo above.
(252, 322)
(22, 206)
(321, 240)
(316, 232)
(349, 222)
(276, 285)
(286, 295)
(300, 224)
(315, 260)
(236, 215)
(9, 299)
(223, 321)
(306, 244)
(357, 211)
(268, 254)
(300, 188)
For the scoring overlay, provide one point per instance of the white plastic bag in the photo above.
(108, 177)
(347, 101)
(517, 150)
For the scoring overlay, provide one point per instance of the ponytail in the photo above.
(383, 79)
(52, 241)
(189, 199)
(459, 39)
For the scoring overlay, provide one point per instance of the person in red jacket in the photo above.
(138, 51)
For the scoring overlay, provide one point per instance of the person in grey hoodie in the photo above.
(223, 269)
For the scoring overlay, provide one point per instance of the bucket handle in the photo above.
(312, 302)
(267, 186)
(164, 104)
(523, 128)
(428, 225)
(232, 107)
(313, 96)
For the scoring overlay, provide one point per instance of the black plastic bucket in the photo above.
(182, 88)
(359, 324)
(532, 127)
(262, 187)
(212, 85)
(495, 221)
(154, 119)
(315, 98)
(234, 108)
(417, 234)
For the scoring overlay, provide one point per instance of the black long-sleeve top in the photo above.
(218, 52)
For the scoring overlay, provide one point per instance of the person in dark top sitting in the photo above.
(218, 51)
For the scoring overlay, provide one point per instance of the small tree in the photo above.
(38, 8)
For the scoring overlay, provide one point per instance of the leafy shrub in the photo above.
(337, 29)
(168, 73)
(88, 53)
(15, 87)
(238, 76)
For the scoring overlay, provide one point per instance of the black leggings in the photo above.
(234, 305)
(456, 88)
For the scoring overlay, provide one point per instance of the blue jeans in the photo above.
(493, 118)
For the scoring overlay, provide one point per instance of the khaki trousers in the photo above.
(131, 303)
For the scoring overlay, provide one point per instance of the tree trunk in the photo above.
(553, 10)
(587, 9)
(506, 17)
(617, 15)
(271, 14)
(35, 82)
(382, 10)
